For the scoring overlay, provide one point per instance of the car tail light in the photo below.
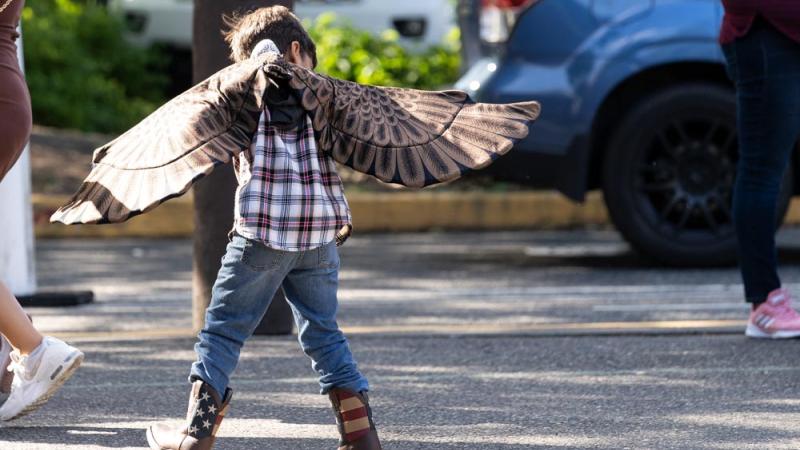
(498, 17)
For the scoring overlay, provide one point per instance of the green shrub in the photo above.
(81, 72)
(346, 52)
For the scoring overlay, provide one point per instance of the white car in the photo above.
(419, 22)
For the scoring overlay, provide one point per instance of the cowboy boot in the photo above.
(354, 420)
(206, 411)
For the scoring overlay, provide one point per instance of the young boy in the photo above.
(290, 208)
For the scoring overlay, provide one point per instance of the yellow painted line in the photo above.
(449, 329)
(75, 336)
(515, 328)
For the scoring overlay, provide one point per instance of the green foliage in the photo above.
(346, 52)
(81, 72)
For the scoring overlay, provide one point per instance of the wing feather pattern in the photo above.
(411, 137)
(181, 142)
(415, 138)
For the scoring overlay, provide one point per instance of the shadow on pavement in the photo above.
(449, 393)
(71, 435)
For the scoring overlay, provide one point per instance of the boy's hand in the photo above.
(276, 68)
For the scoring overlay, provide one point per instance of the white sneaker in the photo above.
(38, 376)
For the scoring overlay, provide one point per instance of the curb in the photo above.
(170, 220)
(372, 212)
(378, 212)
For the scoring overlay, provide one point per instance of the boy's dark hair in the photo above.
(276, 23)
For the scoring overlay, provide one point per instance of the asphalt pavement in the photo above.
(524, 340)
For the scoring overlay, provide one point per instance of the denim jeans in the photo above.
(250, 276)
(765, 67)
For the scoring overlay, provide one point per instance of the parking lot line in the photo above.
(461, 329)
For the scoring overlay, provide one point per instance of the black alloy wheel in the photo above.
(669, 174)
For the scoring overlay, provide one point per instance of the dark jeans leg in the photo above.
(765, 67)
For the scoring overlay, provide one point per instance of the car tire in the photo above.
(668, 175)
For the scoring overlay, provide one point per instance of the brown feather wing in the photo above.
(406, 136)
(181, 142)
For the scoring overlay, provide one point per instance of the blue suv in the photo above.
(635, 102)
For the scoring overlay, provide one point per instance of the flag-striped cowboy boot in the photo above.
(354, 420)
(206, 411)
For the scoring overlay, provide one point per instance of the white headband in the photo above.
(265, 46)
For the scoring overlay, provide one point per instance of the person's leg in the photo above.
(16, 333)
(249, 277)
(311, 292)
(39, 365)
(765, 66)
(15, 325)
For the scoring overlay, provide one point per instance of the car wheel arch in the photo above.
(633, 89)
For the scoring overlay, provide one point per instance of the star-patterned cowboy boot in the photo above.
(206, 411)
(354, 420)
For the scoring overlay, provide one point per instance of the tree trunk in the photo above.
(214, 195)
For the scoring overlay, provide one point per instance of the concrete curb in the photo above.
(170, 220)
(379, 211)
(372, 212)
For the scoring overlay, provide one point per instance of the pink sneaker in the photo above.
(775, 318)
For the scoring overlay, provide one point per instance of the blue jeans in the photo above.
(250, 276)
(765, 67)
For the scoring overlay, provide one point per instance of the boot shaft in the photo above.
(206, 411)
(204, 416)
(354, 420)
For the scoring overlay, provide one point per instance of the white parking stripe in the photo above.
(673, 307)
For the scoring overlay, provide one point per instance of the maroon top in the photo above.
(740, 14)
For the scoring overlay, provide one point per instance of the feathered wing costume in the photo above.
(411, 137)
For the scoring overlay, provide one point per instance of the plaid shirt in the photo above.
(289, 196)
